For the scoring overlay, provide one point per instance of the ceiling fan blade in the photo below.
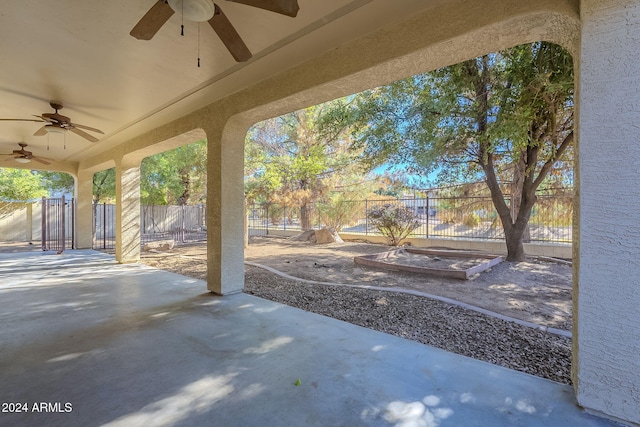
(75, 125)
(152, 21)
(21, 120)
(84, 134)
(41, 132)
(43, 119)
(229, 36)
(40, 160)
(55, 117)
(283, 7)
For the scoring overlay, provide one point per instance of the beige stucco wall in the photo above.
(23, 224)
(13, 226)
(607, 234)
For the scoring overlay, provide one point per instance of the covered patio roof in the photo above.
(82, 56)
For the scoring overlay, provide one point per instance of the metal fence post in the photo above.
(366, 217)
(428, 215)
(73, 223)
(43, 231)
(63, 236)
(183, 225)
(104, 225)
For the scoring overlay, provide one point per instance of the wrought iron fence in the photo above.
(439, 217)
(58, 224)
(182, 224)
(264, 217)
(104, 226)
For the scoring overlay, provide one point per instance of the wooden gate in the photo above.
(58, 224)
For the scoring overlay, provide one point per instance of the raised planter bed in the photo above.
(454, 264)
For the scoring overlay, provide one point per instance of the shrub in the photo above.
(471, 220)
(275, 213)
(395, 223)
(338, 211)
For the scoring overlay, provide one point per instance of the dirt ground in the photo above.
(536, 291)
(441, 262)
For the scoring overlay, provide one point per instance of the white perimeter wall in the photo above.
(607, 236)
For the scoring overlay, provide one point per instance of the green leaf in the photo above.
(20, 185)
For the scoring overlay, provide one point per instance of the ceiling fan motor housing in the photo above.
(193, 10)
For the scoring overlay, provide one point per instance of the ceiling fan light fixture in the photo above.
(193, 10)
(53, 129)
(22, 160)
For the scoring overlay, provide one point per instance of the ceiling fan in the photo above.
(56, 121)
(24, 156)
(207, 10)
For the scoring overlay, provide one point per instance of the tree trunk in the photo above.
(186, 183)
(515, 245)
(305, 217)
(514, 223)
(515, 235)
(513, 230)
(517, 185)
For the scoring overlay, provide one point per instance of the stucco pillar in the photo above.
(225, 210)
(128, 212)
(607, 227)
(84, 212)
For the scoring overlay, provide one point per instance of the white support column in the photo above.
(607, 227)
(84, 211)
(127, 212)
(225, 211)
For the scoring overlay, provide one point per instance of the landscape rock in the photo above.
(305, 236)
(159, 245)
(328, 235)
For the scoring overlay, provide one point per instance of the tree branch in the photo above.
(544, 171)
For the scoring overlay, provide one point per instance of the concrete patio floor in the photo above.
(127, 345)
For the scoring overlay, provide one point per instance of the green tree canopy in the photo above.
(57, 181)
(175, 177)
(505, 118)
(104, 186)
(20, 185)
(291, 160)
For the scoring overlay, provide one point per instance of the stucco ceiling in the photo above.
(80, 53)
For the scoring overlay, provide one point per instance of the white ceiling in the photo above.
(81, 54)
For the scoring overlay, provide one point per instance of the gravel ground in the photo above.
(427, 321)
